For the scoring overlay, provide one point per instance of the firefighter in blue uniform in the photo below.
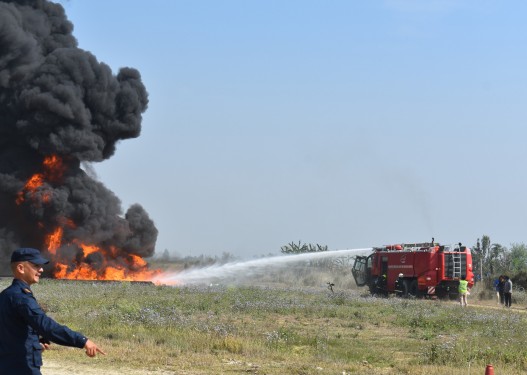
(25, 329)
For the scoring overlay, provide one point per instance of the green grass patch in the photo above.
(276, 330)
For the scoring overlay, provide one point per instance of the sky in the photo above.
(348, 124)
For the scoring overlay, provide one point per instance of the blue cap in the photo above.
(28, 254)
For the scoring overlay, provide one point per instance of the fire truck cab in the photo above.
(416, 269)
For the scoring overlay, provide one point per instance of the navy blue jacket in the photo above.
(22, 324)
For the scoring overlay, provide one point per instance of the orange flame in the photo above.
(87, 249)
(53, 170)
(116, 264)
(131, 268)
(54, 239)
(31, 186)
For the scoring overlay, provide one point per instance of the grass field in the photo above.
(270, 327)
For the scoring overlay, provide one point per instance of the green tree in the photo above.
(485, 247)
(491, 257)
(517, 258)
(495, 263)
(226, 257)
(293, 248)
(478, 254)
(166, 256)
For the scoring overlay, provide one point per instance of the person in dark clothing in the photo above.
(501, 286)
(25, 329)
(380, 284)
(399, 285)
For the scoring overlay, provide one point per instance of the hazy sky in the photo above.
(344, 123)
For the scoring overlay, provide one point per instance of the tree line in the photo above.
(493, 259)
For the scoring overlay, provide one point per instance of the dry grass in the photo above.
(277, 329)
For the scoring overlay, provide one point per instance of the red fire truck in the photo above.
(417, 269)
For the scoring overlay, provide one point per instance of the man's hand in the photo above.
(44, 343)
(92, 349)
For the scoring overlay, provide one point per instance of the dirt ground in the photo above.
(55, 368)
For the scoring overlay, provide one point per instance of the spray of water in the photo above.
(246, 269)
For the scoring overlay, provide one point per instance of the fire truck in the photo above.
(417, 269)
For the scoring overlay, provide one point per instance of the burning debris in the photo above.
(59, 108)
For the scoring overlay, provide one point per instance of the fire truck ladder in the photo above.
(456, 259)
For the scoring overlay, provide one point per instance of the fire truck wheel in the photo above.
(406, 288)
(413, 291)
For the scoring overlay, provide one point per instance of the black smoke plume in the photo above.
(59, 100)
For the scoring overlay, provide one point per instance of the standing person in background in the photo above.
(501, 286)
(399, 285)
(26, 330)
(497, 288)
(507, 291)
(463, 291)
